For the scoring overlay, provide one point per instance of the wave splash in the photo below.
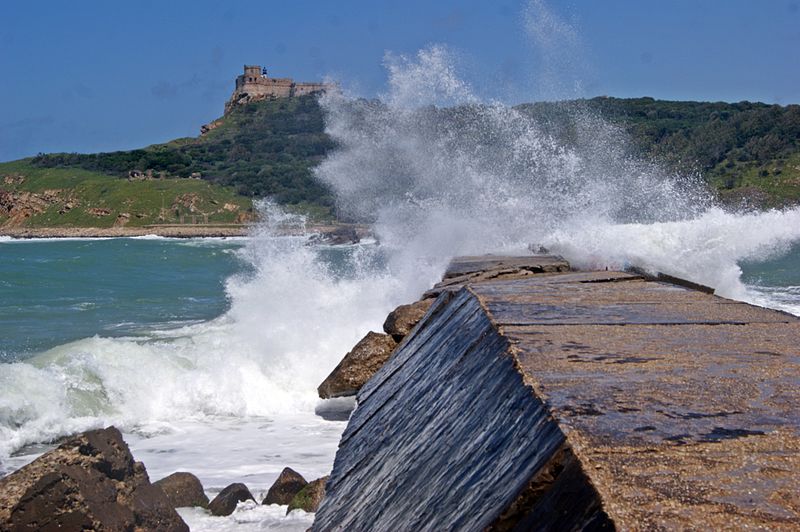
(482, 177)
(292, 317)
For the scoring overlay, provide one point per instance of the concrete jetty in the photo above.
(534, 397)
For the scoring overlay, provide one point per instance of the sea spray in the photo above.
(294, 312)
(477, 177)
(561, 58)
(706, 249)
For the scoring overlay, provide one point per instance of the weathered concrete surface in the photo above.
(577, 400)
(683, 407)
(485, 268)
(446, 435)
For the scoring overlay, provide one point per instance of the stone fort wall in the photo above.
(255, 85)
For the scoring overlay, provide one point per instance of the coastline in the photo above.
(168, 231)
(171, 231)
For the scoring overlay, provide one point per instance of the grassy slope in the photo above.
(744, 150)
(266, 149)
(142, 200)
(774, 182)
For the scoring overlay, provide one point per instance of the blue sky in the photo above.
(103, 75)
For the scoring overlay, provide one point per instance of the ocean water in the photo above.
(206, 353)
(58, 291)
(776, 282)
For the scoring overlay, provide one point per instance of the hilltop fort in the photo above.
(255, 84)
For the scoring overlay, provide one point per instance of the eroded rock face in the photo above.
(288, 484)
(357, 366)
(310, 497)
(89, 482)
(402, 319)
(19, 205)
(225, 503)
(205, 128)
(183, 489)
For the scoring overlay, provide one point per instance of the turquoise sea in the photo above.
(57, 291)
(775, 283)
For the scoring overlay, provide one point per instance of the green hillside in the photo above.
(746, 152)
(32, 196)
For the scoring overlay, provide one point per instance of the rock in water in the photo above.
(225, 503)
(310, 497)
(358, 366)
(402, 319)
(342, 235)
(337, 236)
(289, 484)
(183, 489)
(90, 482)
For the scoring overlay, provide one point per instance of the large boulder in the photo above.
(183, 489)
(402, 319)
(288, 484)
(310, 497)
(227, 499)
(358, 366)
(90, 482)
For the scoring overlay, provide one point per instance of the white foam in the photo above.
(706, 249)
(482, 178)
(248, 516)
(249, 449)
(289, 324)
(785, 298)
(148, 237)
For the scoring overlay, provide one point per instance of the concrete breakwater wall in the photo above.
(532, 398)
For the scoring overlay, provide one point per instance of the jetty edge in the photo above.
(532, 397)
